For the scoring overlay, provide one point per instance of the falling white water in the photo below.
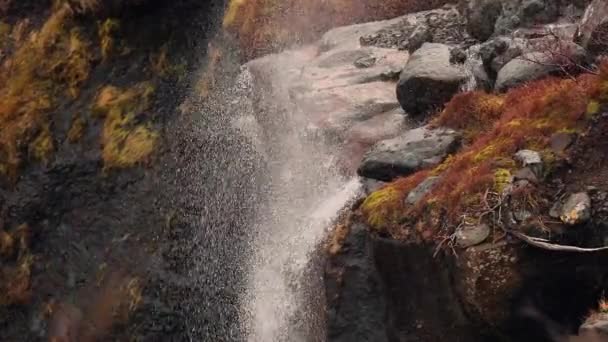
(305, 194)
(283, 256)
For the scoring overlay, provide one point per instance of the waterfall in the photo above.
(305, 193)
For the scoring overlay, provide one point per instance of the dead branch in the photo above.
(542, 244)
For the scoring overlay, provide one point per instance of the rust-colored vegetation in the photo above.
(496, 127)
(125, 142)
(15, 266)
(111, 301)
(264, 26)
(47, 65)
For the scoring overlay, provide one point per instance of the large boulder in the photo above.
(429, 80)
(593, 30)
(416, 149)
(539, 64)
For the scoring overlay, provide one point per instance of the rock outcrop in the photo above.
(428, 80)
(408, 153)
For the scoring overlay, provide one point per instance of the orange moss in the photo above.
(471, 112)
(525, 117)
(51, 62)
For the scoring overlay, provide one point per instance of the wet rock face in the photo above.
(429, 80)
(381, 290)
(355, 296)
(343, 91)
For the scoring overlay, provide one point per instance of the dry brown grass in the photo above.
(525, 117)
(264, 26)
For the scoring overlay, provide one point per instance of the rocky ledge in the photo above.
(479, 130)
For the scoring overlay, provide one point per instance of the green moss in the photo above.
(376, 206)
(593, 108)
(502, 178)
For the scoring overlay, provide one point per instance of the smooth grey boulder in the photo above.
(530, 66)
(408, 153)
(536, 65)
(428, 79)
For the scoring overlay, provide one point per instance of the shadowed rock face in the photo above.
(381, 290)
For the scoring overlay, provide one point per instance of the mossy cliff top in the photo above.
(495, 127)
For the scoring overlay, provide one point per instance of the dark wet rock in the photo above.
(428, 80)
(408, 153)
(576, 209)
(469, 236)
(561, 141)
(371, 185)
(356, 302)
(481, 17)
(380, 290)
(458, 56)
(526, 174)
(497, 52)
(593, 30)
(481, 77)
(421, 34)
(421, 190)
